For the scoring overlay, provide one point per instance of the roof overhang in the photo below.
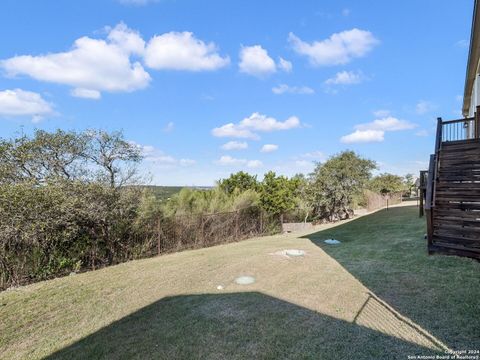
(473, 58)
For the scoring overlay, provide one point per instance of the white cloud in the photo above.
(285, 65)
(19, 102)
(127, 39)
(381, 113)
(235, 145)
(235, 131)
(303, 163)
(260, 122)
(254, 60)
(86, 93)
(269, 148)
(375, 131)
(254, 164)
(422, 133)
(146, 150)
(345, 78)
(227, 160)
(161, 159)
(256, 122)
(346, 12)
(169, 127)
(182, 51)
(284, 88)
(314, 155)
(91, 66)
(363, 136)
(424, 107)
(294, 166)
(187, 162)
(339, 48)
(157, 157)
(389, 123)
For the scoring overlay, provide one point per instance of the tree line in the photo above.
(71, 201)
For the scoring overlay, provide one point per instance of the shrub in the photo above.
(61, 226)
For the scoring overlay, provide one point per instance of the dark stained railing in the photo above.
(429, 197)
(461, 129)
(458, 130)
(422, 187)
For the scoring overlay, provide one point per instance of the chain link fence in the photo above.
(197, 231)
(375, 201)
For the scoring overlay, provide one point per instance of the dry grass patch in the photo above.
(322, 305)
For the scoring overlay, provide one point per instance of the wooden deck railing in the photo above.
(422, 187)
(432, 176)
(450, 188)
(429, 197)
(461, 129)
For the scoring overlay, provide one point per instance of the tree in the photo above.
(386, 184)
(43, 157)
(409, 182)
(335, 183)
(239, 181)
(278, 193)
(303, 199)
(115, 157)
(69, 156)
(60, 153)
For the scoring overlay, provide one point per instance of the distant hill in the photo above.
(165, 192)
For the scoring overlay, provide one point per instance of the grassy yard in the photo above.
(375, 296)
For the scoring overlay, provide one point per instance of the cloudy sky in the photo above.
(211, 87)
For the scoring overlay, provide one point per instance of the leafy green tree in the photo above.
(303, 199)
(239, 181)
(89, 156)
(334, 184)
(278, 193)
(387, 183)
(43, 157)
(409, 183)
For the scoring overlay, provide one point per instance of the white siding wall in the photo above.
(475, 101)
(475, 96)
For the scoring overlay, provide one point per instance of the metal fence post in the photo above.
(236, 225)
(159, 245)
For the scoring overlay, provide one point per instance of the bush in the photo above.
(62, 226)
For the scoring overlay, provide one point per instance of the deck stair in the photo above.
(452, 204)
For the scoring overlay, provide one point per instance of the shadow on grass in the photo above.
(386, 251)
(245, 325)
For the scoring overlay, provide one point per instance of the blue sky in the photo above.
(211, 87)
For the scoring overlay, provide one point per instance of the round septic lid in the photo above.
(332, 241)
(294, 252)
(245, 280)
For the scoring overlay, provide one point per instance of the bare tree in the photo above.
(116, 158)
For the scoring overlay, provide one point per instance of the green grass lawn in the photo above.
(376, 296)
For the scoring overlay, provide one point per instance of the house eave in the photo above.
(473, 58)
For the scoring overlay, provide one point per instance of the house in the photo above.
(471, 97)
(452, 200)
